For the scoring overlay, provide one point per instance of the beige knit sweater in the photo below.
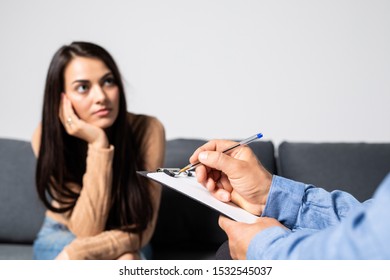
(88, 218)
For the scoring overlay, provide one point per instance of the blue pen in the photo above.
(190, 167)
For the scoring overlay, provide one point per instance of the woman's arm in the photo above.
(114, 243)
(108, 245)
(154, 158)
(36, 139)
(89, 215)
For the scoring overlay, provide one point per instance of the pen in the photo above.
(190, 166)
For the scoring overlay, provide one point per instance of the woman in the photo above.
(89, 149)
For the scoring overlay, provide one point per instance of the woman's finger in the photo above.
(61, 112)
(70, 119)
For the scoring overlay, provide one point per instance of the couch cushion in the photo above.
(21, 212)
(185, 225)
(357, 168)
(16, 252)
(178, 151)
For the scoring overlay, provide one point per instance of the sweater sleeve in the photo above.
(89, 215)
(114, 243)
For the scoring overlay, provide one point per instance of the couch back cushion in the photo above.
(357, 168)
(21, 211)
(183, 223)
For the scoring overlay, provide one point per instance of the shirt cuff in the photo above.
(262, 241)
(284, 200)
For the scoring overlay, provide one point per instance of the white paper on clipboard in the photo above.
(188, 186)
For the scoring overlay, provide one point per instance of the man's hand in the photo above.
(241, 234)
(238, 176)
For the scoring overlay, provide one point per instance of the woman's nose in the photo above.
(99, 94)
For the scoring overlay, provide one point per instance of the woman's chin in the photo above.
(103, 123)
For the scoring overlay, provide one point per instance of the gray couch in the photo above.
(187, 229)
(21, 212)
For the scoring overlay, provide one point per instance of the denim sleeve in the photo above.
(300, 206)
(361, 233)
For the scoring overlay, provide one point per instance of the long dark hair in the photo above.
(62, 158)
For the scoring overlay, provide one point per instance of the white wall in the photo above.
(294, 70)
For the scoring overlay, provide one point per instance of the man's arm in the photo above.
(363, 234)
(300, 206)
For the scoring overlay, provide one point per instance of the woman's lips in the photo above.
(103, 112)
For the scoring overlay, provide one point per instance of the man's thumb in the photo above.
(225, 223)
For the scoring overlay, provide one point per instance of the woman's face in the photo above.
(92, 90)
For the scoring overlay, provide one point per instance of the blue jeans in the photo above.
(54, 236)
(51, 240)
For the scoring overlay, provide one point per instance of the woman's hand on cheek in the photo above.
(78, 128)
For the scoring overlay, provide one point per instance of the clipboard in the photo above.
(188, 186)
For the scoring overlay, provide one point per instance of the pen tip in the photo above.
(182, 170)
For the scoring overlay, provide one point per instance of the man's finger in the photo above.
(221, 195)
(213, 145)
(219, 161)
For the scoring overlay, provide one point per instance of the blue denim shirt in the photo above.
(323, 225)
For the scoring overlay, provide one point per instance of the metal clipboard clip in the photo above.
(174, 172)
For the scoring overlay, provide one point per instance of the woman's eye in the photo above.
(82, 88)
(109, 81)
